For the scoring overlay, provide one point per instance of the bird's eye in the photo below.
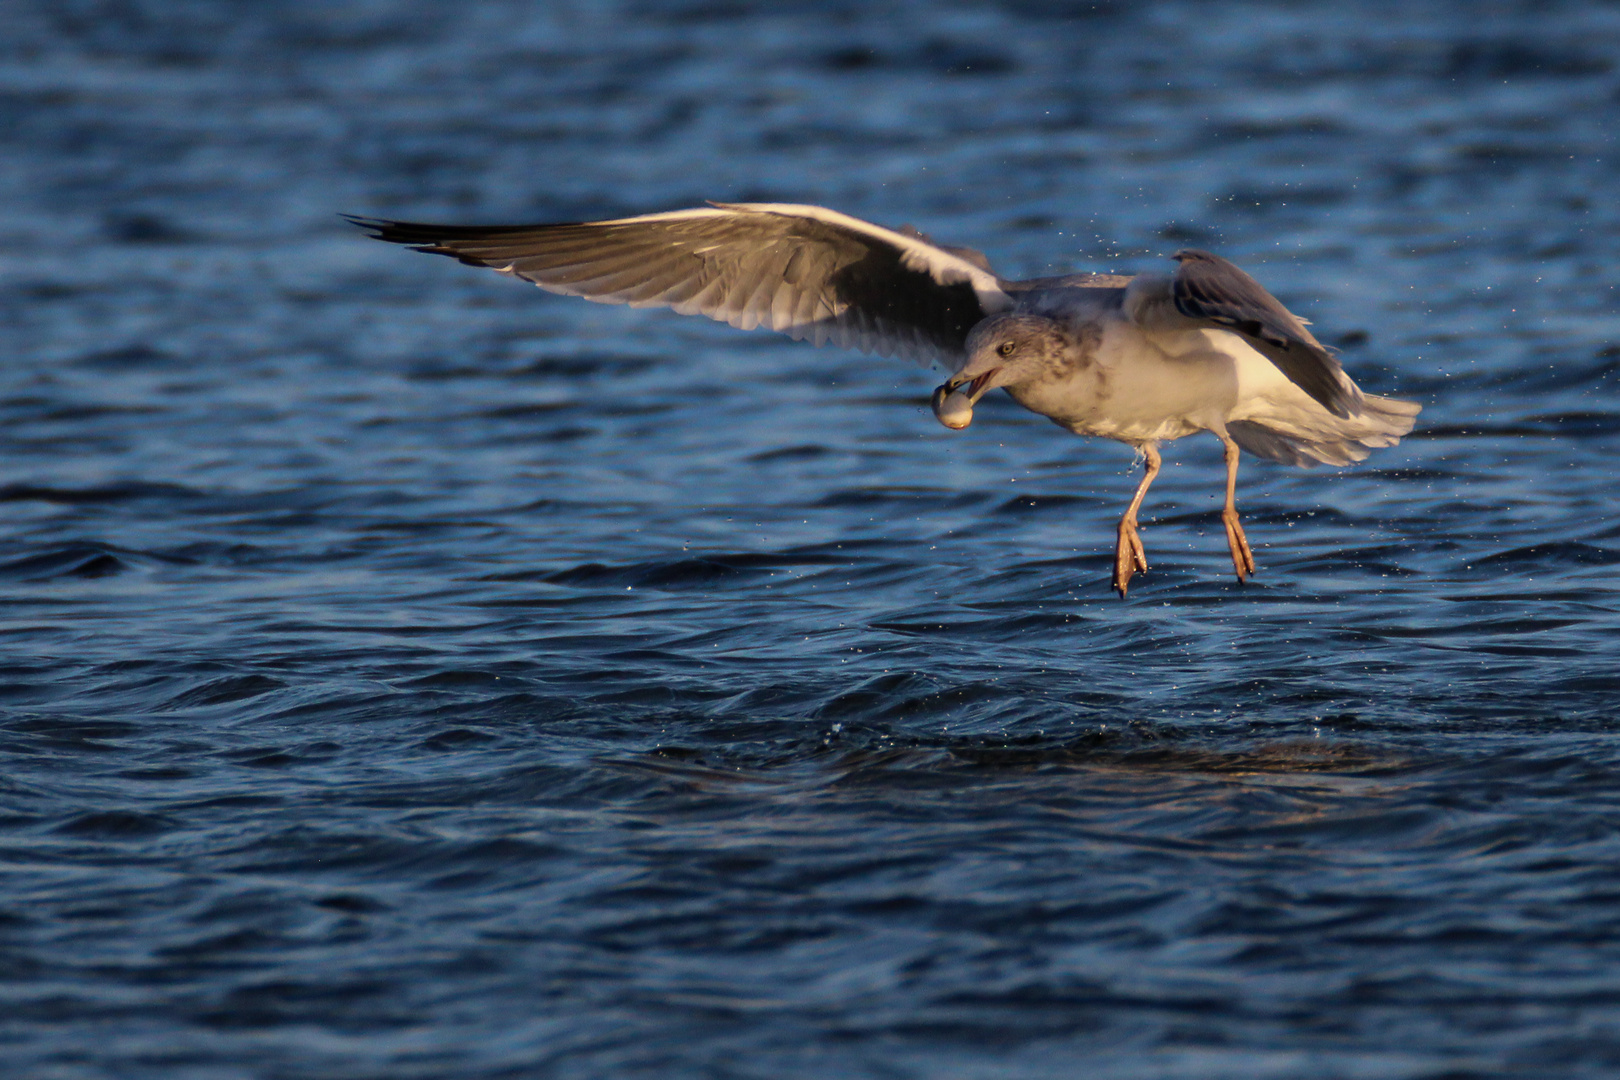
(1006, 348)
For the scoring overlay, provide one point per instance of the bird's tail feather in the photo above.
(1296, 437)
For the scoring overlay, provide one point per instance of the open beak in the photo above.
(975, 386)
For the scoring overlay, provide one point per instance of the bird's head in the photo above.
(1005, 350)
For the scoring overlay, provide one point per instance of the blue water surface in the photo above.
(407, 674)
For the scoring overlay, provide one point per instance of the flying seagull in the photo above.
(1141, 359)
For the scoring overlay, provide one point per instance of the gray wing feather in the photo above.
(805, 272)
(1208, 287)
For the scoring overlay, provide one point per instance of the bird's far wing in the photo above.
(808, 272)
(1210, 289)
(1069, 281)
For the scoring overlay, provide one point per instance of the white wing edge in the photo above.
(942, 266)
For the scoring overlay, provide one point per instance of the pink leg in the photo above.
(1242, 557)
(1128, 555)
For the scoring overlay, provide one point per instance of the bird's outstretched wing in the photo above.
(1210, 289)
(806, 271)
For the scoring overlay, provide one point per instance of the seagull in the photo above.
(1140, 359)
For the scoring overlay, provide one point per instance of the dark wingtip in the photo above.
(1195, 255)
(376, 228)
(418, 237)
(438, 238)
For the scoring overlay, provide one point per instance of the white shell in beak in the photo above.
(954, 409)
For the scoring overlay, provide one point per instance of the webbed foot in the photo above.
(1242, 557)
(1128, 556)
